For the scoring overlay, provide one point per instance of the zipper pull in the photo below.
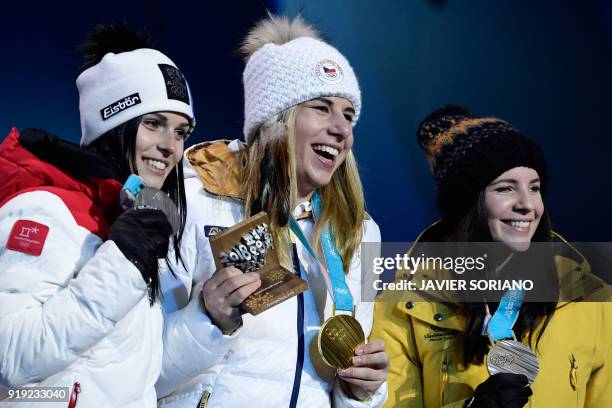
(204, 399)
(76, 389)
(443, 379)
(573, 376)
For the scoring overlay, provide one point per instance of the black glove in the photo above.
(143, 236)
(502, 390)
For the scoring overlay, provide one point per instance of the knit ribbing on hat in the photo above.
(278, 77)
(466, 154)
(126, 85)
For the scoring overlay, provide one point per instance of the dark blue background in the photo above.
(544, 66)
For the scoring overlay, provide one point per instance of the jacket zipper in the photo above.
(443, 378)
(300, 334)
(204, 399)
(573, 376)
(74, 395)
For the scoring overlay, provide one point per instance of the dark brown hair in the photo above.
(118, 146)
(473, 227)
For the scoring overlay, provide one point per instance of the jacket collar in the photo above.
(217, 165)
(37, 161)
(572, 268)
(36, 158)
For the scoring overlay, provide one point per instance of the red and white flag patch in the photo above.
(28, 237)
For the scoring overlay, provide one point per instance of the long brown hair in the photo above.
(533, 317)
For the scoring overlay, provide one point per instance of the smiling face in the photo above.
(514, 207)
(159, 146)
(323, 137)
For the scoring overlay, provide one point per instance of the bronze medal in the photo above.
(337, 340)
(510, 356)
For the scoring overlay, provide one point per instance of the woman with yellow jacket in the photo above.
(489, 179)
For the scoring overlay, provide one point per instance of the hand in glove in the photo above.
(143, 236)
(502, 390)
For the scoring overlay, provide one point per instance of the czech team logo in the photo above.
(329, 72)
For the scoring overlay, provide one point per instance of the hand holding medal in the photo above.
(513, 365)
(502, 390)
(368, 371)
(505, 355)
(341, 340)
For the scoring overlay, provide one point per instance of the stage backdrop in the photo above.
(544, 66)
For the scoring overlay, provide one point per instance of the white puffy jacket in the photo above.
(265, 363)
(76, 313)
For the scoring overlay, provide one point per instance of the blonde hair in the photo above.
(343, 210)
(275, 191)
(268, 179)
(267, 169)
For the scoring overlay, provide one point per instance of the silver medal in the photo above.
(510, 356)
(150, 197)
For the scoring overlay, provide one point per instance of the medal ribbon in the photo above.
(331, 267)
(500, 325)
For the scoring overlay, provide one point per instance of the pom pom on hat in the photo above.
(287, 64)
(127, 83)
(466, 153)
(276, 30)
(112, 38)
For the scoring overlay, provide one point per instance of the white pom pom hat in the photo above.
(278, 77)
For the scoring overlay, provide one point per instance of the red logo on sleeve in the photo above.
(28, 237)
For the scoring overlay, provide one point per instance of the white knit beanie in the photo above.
(127, 85)
(278, 77)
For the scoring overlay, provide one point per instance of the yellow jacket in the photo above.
(426, 368)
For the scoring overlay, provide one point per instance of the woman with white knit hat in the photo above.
(302, 100)
(79, 276)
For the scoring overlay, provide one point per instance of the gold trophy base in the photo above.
(277, 285)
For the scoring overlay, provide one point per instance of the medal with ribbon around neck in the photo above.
(342, 333)
(505, 355)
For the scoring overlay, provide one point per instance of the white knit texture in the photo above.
(278, 77)
(118, 76)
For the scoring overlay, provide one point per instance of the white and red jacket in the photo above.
(267, 362)
(73, 309)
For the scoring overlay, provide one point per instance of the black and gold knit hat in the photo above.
(466, 153)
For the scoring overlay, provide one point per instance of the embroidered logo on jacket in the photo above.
(28, 237)
(438, 334)
(121, 105)
(176, 86)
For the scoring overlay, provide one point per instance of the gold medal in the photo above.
(338, 338)
(326, 372)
